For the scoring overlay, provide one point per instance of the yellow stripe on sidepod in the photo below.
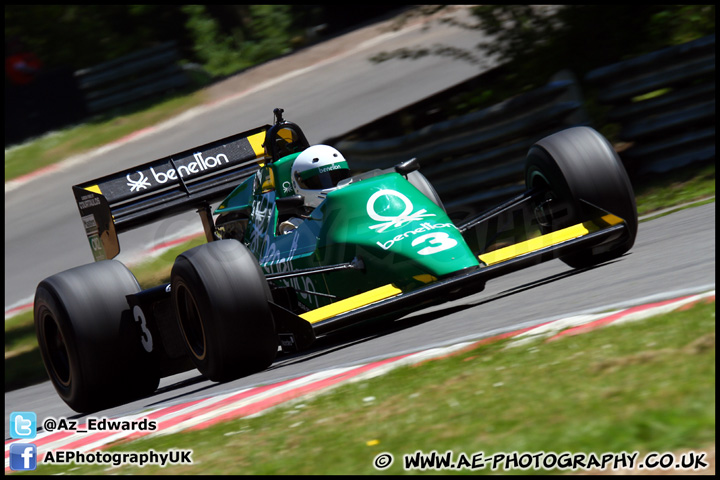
(543, 241)
(348, 304)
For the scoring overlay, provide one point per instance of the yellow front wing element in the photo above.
(547, 240)
(351, 303)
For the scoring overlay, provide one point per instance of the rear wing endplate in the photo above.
(146, 193)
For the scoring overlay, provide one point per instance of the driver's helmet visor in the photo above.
(324, 177)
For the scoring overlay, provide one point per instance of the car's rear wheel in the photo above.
(580, 174)
(220, 297)
(89, 341)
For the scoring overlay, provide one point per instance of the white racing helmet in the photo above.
(316, 171)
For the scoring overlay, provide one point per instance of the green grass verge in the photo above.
(23, 363)
(645, 386)
(156, 271)
(675, 188)
(57, 146)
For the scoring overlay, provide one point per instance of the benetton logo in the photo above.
(200, 164)
(404, 217)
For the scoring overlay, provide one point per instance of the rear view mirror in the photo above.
(407, 166)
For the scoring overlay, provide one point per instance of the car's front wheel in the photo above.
(579, 174)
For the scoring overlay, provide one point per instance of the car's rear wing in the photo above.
(143, 194)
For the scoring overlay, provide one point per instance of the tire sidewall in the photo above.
(583, 169)
(231, 294)
(108, 364)
(46, 305)
(590, 170)
(541, 169)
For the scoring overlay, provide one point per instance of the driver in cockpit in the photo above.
(315, 173)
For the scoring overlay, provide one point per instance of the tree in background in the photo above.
(536, 41)
(222, 38)
(80, 36)
(540, 40)
(259, 33)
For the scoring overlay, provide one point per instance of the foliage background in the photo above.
(541, 40)
(222, 38)
(227, 38)
(533, 42)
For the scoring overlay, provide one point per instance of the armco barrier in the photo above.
(477, 159)
(664, 103)
(131, 78)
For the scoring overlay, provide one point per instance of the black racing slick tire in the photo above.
(221, 302)
(88, 339)
(577, 169)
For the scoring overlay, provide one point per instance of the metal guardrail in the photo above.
(131, 78)
(665, 104)
(479, 158)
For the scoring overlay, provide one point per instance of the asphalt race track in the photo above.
(673, 255)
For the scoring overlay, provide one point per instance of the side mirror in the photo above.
(408, 166)
(290, 205)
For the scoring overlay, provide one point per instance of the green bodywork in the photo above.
(401, 236)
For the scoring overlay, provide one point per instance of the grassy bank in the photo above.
(645, 386)
(57, 146)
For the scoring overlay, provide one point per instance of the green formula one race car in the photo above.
(298, 248)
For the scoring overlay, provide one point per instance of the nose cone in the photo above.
(397, 230)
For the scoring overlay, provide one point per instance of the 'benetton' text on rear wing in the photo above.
(164, 187)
